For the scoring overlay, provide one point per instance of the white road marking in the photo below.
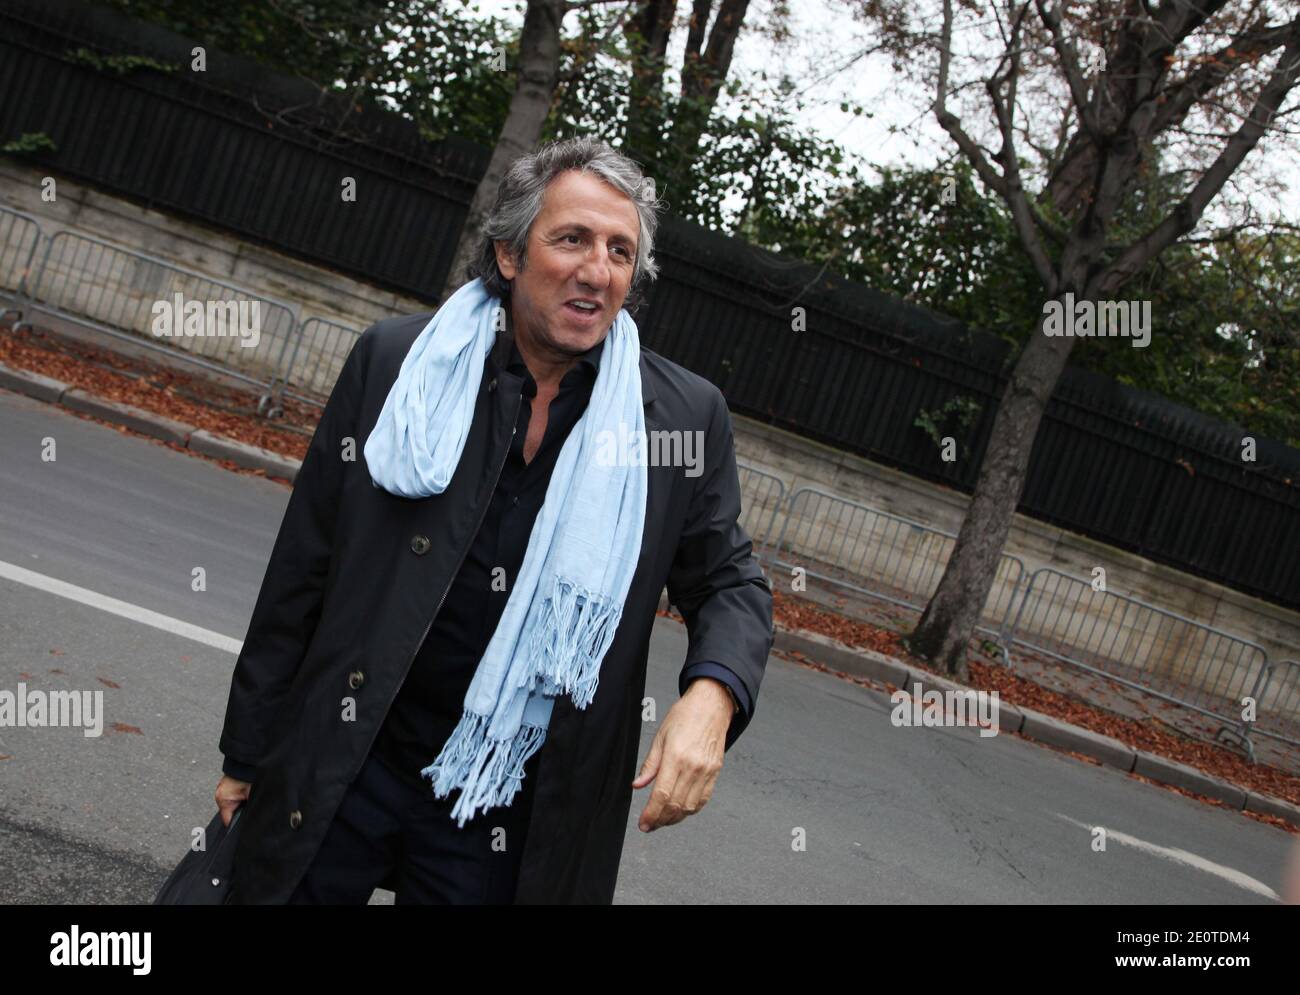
(11, 571)
(1185, 858)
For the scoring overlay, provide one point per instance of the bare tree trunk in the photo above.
(647, 36)
(950, 618)
(539, 68)
(703, 74)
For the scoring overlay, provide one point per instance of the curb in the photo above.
(253, 457)
(1034, 725)
(145, 422)
(32, 384)
(44, 388)
(1063, 735)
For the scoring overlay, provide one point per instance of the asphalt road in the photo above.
(823, 800)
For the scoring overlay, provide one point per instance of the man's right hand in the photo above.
(230, 795)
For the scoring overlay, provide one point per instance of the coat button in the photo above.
(493, 385)
(420, 545)
(355, 678)
(295, 819)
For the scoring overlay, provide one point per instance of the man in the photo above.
(375, 609)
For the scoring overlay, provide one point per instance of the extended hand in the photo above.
(686, 755)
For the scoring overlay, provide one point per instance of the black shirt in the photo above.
(431, 701)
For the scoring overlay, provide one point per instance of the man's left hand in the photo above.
(686, 754)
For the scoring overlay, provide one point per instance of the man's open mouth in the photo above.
(582, 307)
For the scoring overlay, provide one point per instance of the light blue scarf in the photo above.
(568, 598)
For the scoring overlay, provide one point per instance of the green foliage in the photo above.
(960, 411)
(1225, 334)
(331, 42)
(443, 73)
(929, 236)
(30, 141)
(782, 171)
(595, 69)
(119, 65)
(756, 174)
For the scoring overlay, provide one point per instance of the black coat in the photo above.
(356, 576)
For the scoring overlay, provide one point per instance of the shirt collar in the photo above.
(588, 363)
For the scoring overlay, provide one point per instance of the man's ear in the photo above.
(505, 259)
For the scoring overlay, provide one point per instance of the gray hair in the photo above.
(519, 202)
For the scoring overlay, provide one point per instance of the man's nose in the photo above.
(595, 269)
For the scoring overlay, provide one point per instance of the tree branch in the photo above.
(1068, 56)
(1174, 21)
(581, 62)
(1177, 100)
(572, 5)
(1185, 215)
(950, 122)
(1013, 188)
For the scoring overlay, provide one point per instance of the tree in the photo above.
(930, 237)
(456, 72)
(1152, 75)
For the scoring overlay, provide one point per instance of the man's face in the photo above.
(581, 247)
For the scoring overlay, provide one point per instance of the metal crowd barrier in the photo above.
(1141, 646)
(20, 234)
(879, 555)
(117, 291)
(1278, 715)
(762, 496)
(319, 352)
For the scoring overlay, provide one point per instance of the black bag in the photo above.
(203, 877)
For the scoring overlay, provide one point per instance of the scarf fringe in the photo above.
(488, 771)
(575, 630)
